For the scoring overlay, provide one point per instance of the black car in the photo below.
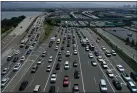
(117, 84)
(62, 48)
(75, 64)
(23, 85)
(15, 59)
(26, 47)
(76, 74)
(57, 66)
(133, 75)
(60, 58)
(68, 45)
(96, 53)
(52, 89)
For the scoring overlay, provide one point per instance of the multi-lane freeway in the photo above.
(68, 63)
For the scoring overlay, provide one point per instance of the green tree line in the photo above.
(6, 24)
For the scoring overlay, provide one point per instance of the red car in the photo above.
(65, 81)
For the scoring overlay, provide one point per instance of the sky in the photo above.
(63, 4)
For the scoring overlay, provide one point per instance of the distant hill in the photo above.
(13, 5)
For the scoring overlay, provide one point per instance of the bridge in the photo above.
(88, 19)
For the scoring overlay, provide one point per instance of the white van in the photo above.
(37, 88)
(103, 85)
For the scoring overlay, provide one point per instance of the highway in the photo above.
(90, 75)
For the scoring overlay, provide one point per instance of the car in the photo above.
(9, 58)
(109, 73)
(4, 71)
(27, 46)
(15, 59)
(28, 52)
(59, 53)
(90, 55)
(133, 75)
(117, 84)
(23, 85)
(31, 48)
(66, 81)
(125, 76)
(132, 87)
(97, 40)
(75, 88)
(37, 88)
(76, 74)
(22, 59)
(75, 64)
(16, 67)
(48, 68)
(93, 63)
(103, 48)
(104, 65)
(75, 52)
(57, 47)
(44, 54)
(103, 85)
(39, 61)
(4, 81)
(66, 67)
(59, 58)
(113, 52)
(34, 68)
(96, 53)
(120, 68)
(62, 48)
(57, 66)
(16, 52)
(87, 48)
(52, 89)
(68, 53)
(53, 78)
(68, 45)
(100, 59)
(50, 59)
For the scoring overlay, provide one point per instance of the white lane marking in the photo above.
(95, 80)
(80, 65)
(57, 89)
(69, 84)
(107, 58)
(103, 72)
(88, 63)
(19, 69)
(8, 43)
(52, 66)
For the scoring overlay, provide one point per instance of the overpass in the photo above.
(87, 19)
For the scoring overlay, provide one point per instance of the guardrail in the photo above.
(132, 63)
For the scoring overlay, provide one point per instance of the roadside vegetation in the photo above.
(48, 28)
(7, 24)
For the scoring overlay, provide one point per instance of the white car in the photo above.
(109, 73)
(68, 53)
(113, 53)
(39, 61)
(22, 59)
(100, 59)
(132, 87)
(17, 52)
(125, 76)
(87, 48)
(37, 88)
(31, 47)
(103, 85)
(105, 66)
(4, 71)
(16, 67)
(90, 55)
(44, 54)
(48, 68)
(103, 48)
(50, 58)
(56, 48)
(66, 67)
(120, 68)
(93, 63)
(53, 78)
(75, 52)
(4, 82)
